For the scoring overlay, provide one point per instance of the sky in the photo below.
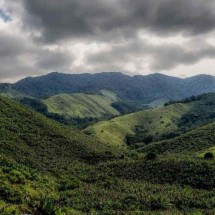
(173, 37)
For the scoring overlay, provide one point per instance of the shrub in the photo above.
(209, 156)
(151, 156)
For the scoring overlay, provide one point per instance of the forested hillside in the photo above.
(47, 168)
(143, 89)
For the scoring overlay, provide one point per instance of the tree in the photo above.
(151, 156)
(209, 156)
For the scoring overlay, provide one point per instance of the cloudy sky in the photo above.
(173, 37)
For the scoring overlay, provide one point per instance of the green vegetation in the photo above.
(189, 143)
(126, 107)
(154, 122)
(142, 128)
(49, 168)
(208, 150)
(7, 90)
(23, 130)
(209, 156)
(82, 105)
(77, 110)
(81, 109)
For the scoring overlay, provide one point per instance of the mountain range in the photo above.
(143, 89)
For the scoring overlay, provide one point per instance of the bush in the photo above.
(209, 156)
(151, 156)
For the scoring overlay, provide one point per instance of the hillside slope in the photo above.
(30, 138)
(46, 168)
(156, 124)
(151, 122)
(82, 105)
(193, 142)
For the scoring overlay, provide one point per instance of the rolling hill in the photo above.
(47, 168)
(27, 137)
(77, 109)
(82, 105)
(7, 90)
(200, 140)
(143, 89)
(156, 124)
(151, 122)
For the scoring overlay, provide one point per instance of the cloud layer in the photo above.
(132, 36)
(72, 17)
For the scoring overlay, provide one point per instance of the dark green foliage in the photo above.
(203, 111)
(32, 134)
(47, 168)
(138, 140)
(34, 104)
(5, 87)
(185, 101)
(209, 156)
(74, 121)
(192, 172)
(126, 107)
(151, 156)
(190, 142)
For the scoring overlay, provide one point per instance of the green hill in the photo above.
(82, 105)
(47, 168)
(156, 124)
(152, 122)
(77, 110)
(30, 138)
(7, 90)
(197, 140)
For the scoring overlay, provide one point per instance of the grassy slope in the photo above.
(65, 184)
(82, 105)
(32, 139)
(197, 140)
(155, 121)
(157, 124)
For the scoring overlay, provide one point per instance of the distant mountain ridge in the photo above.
(144, 89)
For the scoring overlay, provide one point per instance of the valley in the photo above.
(131, 158)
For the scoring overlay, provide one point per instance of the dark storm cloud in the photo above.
(40, 36)
(163, 57)
(59, 19)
